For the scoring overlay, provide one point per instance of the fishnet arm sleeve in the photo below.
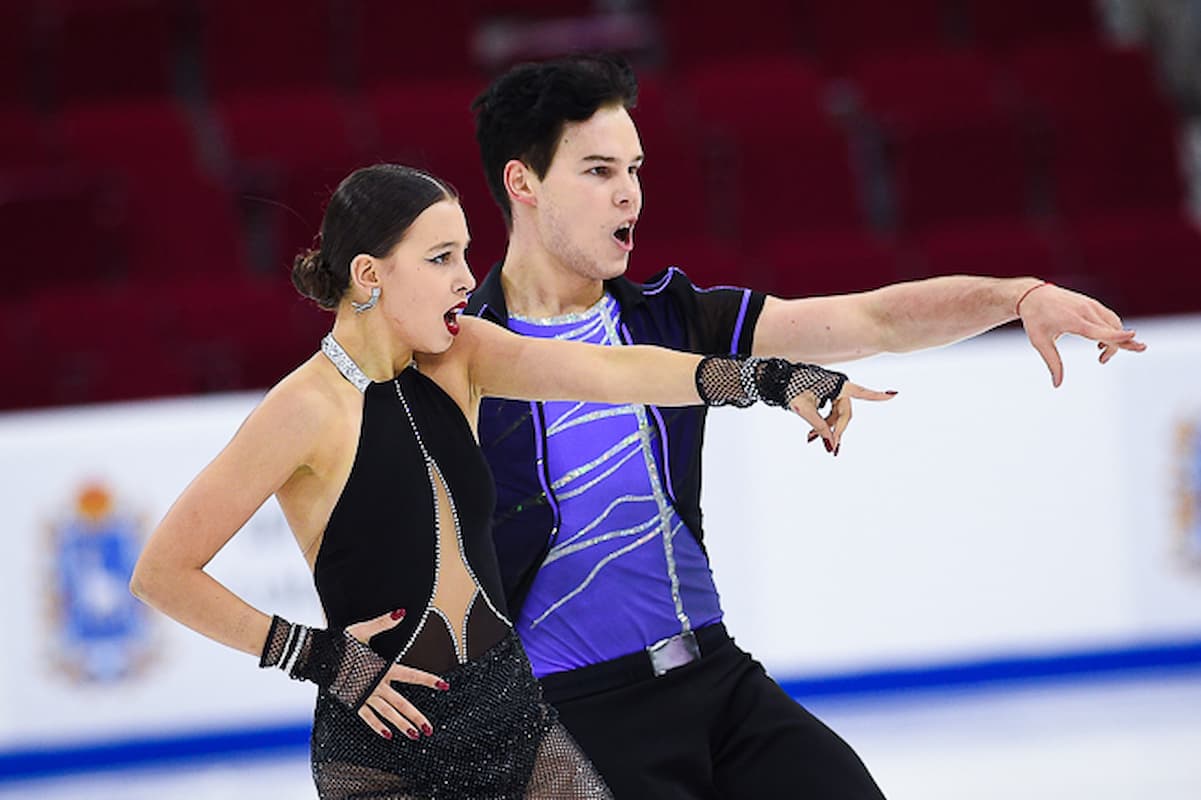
(744, 381)
(334, 660)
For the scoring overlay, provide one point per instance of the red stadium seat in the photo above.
(248, 335)
(20, 43)
(798, 172)
(800, 179)
(951, 148)
(735, 97)
(394, 42)
(926, 85)
(285, 171)
(1108, 137)
(180, 220)
(70, 215)
(311, 125)
(1004, 23)
(525, 9)
(149, 136)
(705, 31)
(111, 49)
(845, 31)
(1150, 263)
(103, 346)
(271, 44)
(815, 263)
(25, 140)
(998, 249)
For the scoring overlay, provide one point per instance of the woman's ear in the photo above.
(364, 273)
(520, 183)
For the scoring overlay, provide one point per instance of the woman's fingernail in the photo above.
(891, 391)
(413, 734)
(398, 613)
(829, 447)
(427, 730)
(837, 447)
(443, 685)
(387, 734)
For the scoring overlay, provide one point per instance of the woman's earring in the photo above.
(359, 308)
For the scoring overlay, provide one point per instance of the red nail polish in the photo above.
(829, 449)
(891, 392)
(398, 613)
(427, 730)
(387, 734)
(413, 734)
(837, 448)
(443, 685)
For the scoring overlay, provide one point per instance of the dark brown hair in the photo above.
(521, 115)
(369, 212)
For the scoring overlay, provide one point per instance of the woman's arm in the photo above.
(274, 442)
(279, 440)
(503, 364)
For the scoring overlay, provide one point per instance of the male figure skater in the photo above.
(598, 522)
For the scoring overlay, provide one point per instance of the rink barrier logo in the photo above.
(1187, 500)
(99, 632)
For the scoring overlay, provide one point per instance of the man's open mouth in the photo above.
(625, 235)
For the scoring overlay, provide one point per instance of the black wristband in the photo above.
(724, 380)
(334, 660)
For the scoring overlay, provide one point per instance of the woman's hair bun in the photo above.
(313, 277)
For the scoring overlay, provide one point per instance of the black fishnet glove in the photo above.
(742, 381)
(334, 660)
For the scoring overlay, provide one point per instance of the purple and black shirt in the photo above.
(598, 520)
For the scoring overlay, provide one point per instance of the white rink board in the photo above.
(978, 514)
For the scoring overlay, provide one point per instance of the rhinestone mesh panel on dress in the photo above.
(494, 739)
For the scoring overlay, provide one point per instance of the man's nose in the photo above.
(628, 193)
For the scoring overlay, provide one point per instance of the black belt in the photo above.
(653, 662)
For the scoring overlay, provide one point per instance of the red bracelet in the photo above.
(1028, 291)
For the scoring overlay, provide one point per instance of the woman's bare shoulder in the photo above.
(309, 399)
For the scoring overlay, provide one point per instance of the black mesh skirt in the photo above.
(494, 739)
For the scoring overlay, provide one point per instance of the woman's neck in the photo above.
(370, 343)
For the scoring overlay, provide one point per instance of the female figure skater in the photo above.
(370, 448)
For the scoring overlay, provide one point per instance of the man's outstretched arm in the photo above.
(916, 315)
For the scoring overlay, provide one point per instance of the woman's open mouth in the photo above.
(451, 318)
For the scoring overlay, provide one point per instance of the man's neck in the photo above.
(537, 285)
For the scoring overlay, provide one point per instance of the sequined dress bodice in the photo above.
(411, 528)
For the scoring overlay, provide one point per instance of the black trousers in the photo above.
(715, 729)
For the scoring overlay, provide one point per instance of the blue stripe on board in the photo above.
(19, 764)
(1079, 666)
(124, 753)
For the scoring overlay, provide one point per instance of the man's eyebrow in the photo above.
(611, 159)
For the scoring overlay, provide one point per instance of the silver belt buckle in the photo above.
(674, 651)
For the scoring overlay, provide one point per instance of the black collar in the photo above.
(488, 299)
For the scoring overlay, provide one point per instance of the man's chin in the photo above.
(616, 268)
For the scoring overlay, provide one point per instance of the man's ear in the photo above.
(521, 183)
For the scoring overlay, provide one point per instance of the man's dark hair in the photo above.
(522, 113)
